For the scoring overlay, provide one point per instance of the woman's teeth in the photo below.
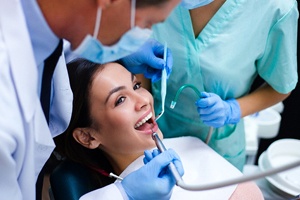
(143, 121)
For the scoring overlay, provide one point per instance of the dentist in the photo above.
(36, 106)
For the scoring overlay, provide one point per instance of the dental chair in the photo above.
(70, 180)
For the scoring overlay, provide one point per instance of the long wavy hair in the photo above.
(81, 75)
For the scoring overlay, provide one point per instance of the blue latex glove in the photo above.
(215, 112)
(153, 181)
(148, 60)
(150, 155)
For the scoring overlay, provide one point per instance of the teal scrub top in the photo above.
(244, 39)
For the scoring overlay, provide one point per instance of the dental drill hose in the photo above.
(201, 187)
(171, 166)
(209, 186)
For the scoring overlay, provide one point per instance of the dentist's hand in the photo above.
(215, 112)
(151, 155)
(148, 60)
(153, 180)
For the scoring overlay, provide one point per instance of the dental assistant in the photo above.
(221, 48)
(30, 31)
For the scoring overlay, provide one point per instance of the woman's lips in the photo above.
(148, 128)
(144, 119)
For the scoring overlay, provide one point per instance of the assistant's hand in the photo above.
(148, 60)
(153, 181)
(215, 112)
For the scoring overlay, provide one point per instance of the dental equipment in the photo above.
(171, 166)
(112, 175)
(105, 173)
(163, 85)
(173, 104)
(200, 187)
(180, 182)
(240, 179)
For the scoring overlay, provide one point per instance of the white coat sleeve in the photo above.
(11, 136)
(110, 192)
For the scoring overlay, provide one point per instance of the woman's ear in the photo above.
(84, 136)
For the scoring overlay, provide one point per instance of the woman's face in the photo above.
(122, 112)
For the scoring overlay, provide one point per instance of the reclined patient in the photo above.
(111, 127)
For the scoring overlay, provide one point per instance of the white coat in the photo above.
(25, 139)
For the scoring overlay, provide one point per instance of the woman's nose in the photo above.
(141, 101)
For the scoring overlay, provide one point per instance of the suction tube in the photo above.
(173, 104)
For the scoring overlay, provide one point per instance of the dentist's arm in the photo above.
(152, 181)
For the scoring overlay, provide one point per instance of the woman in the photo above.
(221, 48)
(112, 125)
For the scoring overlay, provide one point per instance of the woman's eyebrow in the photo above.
(118, 89)
(113, 91)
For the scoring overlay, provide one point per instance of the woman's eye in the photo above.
(120, 100)
(137, 86)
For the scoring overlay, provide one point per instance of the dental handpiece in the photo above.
(232, 181)
(171, 166)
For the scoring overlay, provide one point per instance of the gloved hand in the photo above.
(148, 60)
(153, 181)
(150, 155)
(215, 112)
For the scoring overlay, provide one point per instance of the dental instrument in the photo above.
(180, 182)
(173, 104)
(238, 180)
(163, 85)
(171, 166)
(105, 173)
(112, 175)
(200, 187)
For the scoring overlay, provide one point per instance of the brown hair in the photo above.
(81, 75)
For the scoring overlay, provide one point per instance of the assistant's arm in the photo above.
(278, 67)
(262, 98)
